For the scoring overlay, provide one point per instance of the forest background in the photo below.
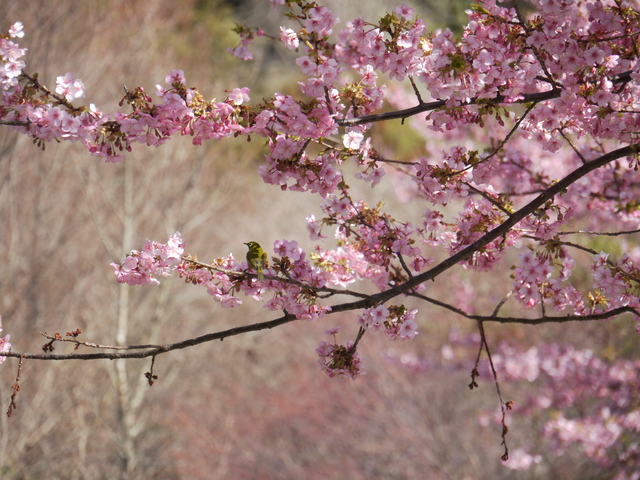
(254, 406)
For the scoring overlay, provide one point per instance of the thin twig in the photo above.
(16, 388)
(527, 321)
(504, 406)
(149, 375)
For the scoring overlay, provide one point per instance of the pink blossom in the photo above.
(175, 77)
(320, 20)
(314, 228)
(5, 346)
(373, 177)
(352, 140)
(405, 11)
(139, 267)
(332, 331)
(238, 96)
(289, 38)
(16, 30)
(69, 88)
(242, 52)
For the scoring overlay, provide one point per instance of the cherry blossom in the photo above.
(339, 360)
(289, 38)
(139, 267)
(69, 88)
(530, 125)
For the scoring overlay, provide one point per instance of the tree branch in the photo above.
(403, 288)
(158, 349)
(528, 321)
(425, 107)
(497, 232)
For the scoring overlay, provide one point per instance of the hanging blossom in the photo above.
(338, 360)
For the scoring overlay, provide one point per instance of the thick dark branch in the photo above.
(498, 99)
(426, 107)
(500, 231)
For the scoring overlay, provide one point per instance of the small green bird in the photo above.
(256, 258)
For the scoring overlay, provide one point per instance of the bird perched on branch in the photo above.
(256, 258)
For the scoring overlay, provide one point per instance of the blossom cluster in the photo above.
(339, 360)
(11, 54)
(578, 398)
(155, 259)
(47, 116)
(224, 276)
(532, 279)
(397, 322)
(616, 284)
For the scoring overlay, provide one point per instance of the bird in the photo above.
(256, 258)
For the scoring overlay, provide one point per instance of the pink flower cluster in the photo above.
(69, 87)
(579, 399)
(397, 322)
(617, 284)
(368, 234)
(10, 53)
(224, 277)
(47, 119)
(246, 39)
(530, 277)
(155, 259)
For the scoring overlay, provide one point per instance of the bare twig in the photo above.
(149, 375)
(16, 388)
(150, 352)
(504, 406)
